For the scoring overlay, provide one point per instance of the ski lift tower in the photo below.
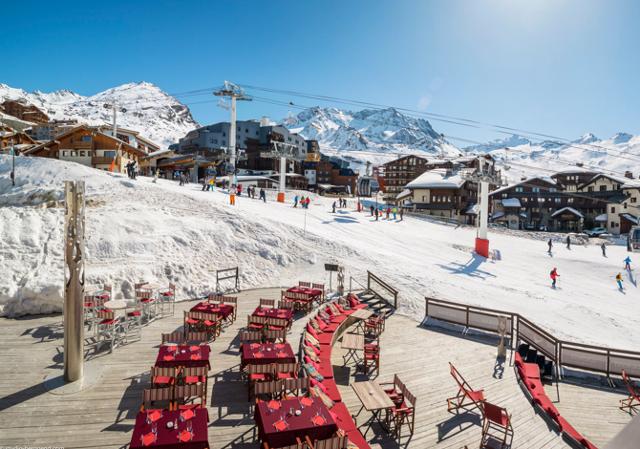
(283, 151)
(483, 176)
(234, 92)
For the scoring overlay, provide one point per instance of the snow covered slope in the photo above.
(140, 230)
(525, 158)
(150, 111)
(370, 134)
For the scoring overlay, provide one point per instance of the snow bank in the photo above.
(165, 232)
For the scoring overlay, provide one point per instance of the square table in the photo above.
(168, 437)
(316, 293)
(222, 310)
(361, 315)
(352, 343)
(373, 399)
(297, 426)
(266, 353)
(183, 355)
(270, 312)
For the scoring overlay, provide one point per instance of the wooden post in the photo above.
(74, 281)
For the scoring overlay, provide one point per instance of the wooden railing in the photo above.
(590, 358)
(379, 284)
(228, 273)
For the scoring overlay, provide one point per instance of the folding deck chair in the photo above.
(633, 400)
(466, 397)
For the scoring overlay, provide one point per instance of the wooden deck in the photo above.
(102, 416)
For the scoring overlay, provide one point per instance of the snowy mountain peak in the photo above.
(621, 138)
(148, 110)
(383, 131)
(512, 141)
(587, 138)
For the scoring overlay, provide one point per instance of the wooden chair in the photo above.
(266, 390)
(155, 395)
(404, 413)
(286, 370)
(277, 324)
(286, 304)
(176, 337)
(371, 359)
(108, 329)
(233, 302)
(189, 396)
(163, 377)
(394, 389)
(192, 375)
(211, 324)
(167, 300)
(295, 386)
(275, 336)
(335, 442)
(319, 287)
(267, 302)
(146, 301)
(260, 373)
(496, 426)
(304, 284)
(256, 323)
(466, 397)
(298, 445)
(250, 337)
(214, 298)
(633, 400)
(192, 321)
(196, 338)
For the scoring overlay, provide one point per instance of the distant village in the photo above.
(571, 200)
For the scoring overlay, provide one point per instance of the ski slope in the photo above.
(141, 230)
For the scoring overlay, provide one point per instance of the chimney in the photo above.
(628, 174)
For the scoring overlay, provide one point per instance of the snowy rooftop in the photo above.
(525, 182)
(567, 209)
(437, 179)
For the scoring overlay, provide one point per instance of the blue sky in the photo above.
(562, 67)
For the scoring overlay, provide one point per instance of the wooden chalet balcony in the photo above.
(80, 145)
(97, 160)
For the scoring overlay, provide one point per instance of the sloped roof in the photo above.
(405, 193)
(546, 179)
(567, 209)
(437, 179)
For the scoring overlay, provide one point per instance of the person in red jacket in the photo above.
(554, 276)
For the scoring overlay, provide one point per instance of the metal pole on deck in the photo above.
(74, 281)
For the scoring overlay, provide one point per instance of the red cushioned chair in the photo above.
(466, 397)
(496, 427)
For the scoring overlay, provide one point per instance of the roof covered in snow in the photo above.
(567, 209)
(631, 218)
(438, 178)
(601, 217)
(405, 193)
(546, 179)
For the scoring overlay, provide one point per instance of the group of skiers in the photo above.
(387, 211)
(251, 192)
(627, 267)
(131, 169)
(302, 201)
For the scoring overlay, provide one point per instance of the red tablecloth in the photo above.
(222, 310)
(183, 355)
(269, 312)
(265, 353)
(297, 426)
(168, 438)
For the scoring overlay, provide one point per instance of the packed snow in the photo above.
(137, 229)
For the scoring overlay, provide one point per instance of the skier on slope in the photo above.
(263, 195)
(306, 202)
(604, 249)
(394, 211)
(554, 277)
(627, 263)
(295, 201)
(401, 213)
(334, 207)
(568, 242)
(388, 211)
(619, 281)
(377, 213)
(371, 208)
(550, 243)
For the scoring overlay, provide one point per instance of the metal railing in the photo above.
(228, 273)
(603, 360)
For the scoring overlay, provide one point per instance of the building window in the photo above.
(82, 154)
(110, 154)
(570, 200)
(590, 189)
(633, 199)
(557, 200)
(613, 225)
(519, 189)
(504, 195)
(535, 189)
(553, 189)
(603, 188)
(86, 138)
(613, 210)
